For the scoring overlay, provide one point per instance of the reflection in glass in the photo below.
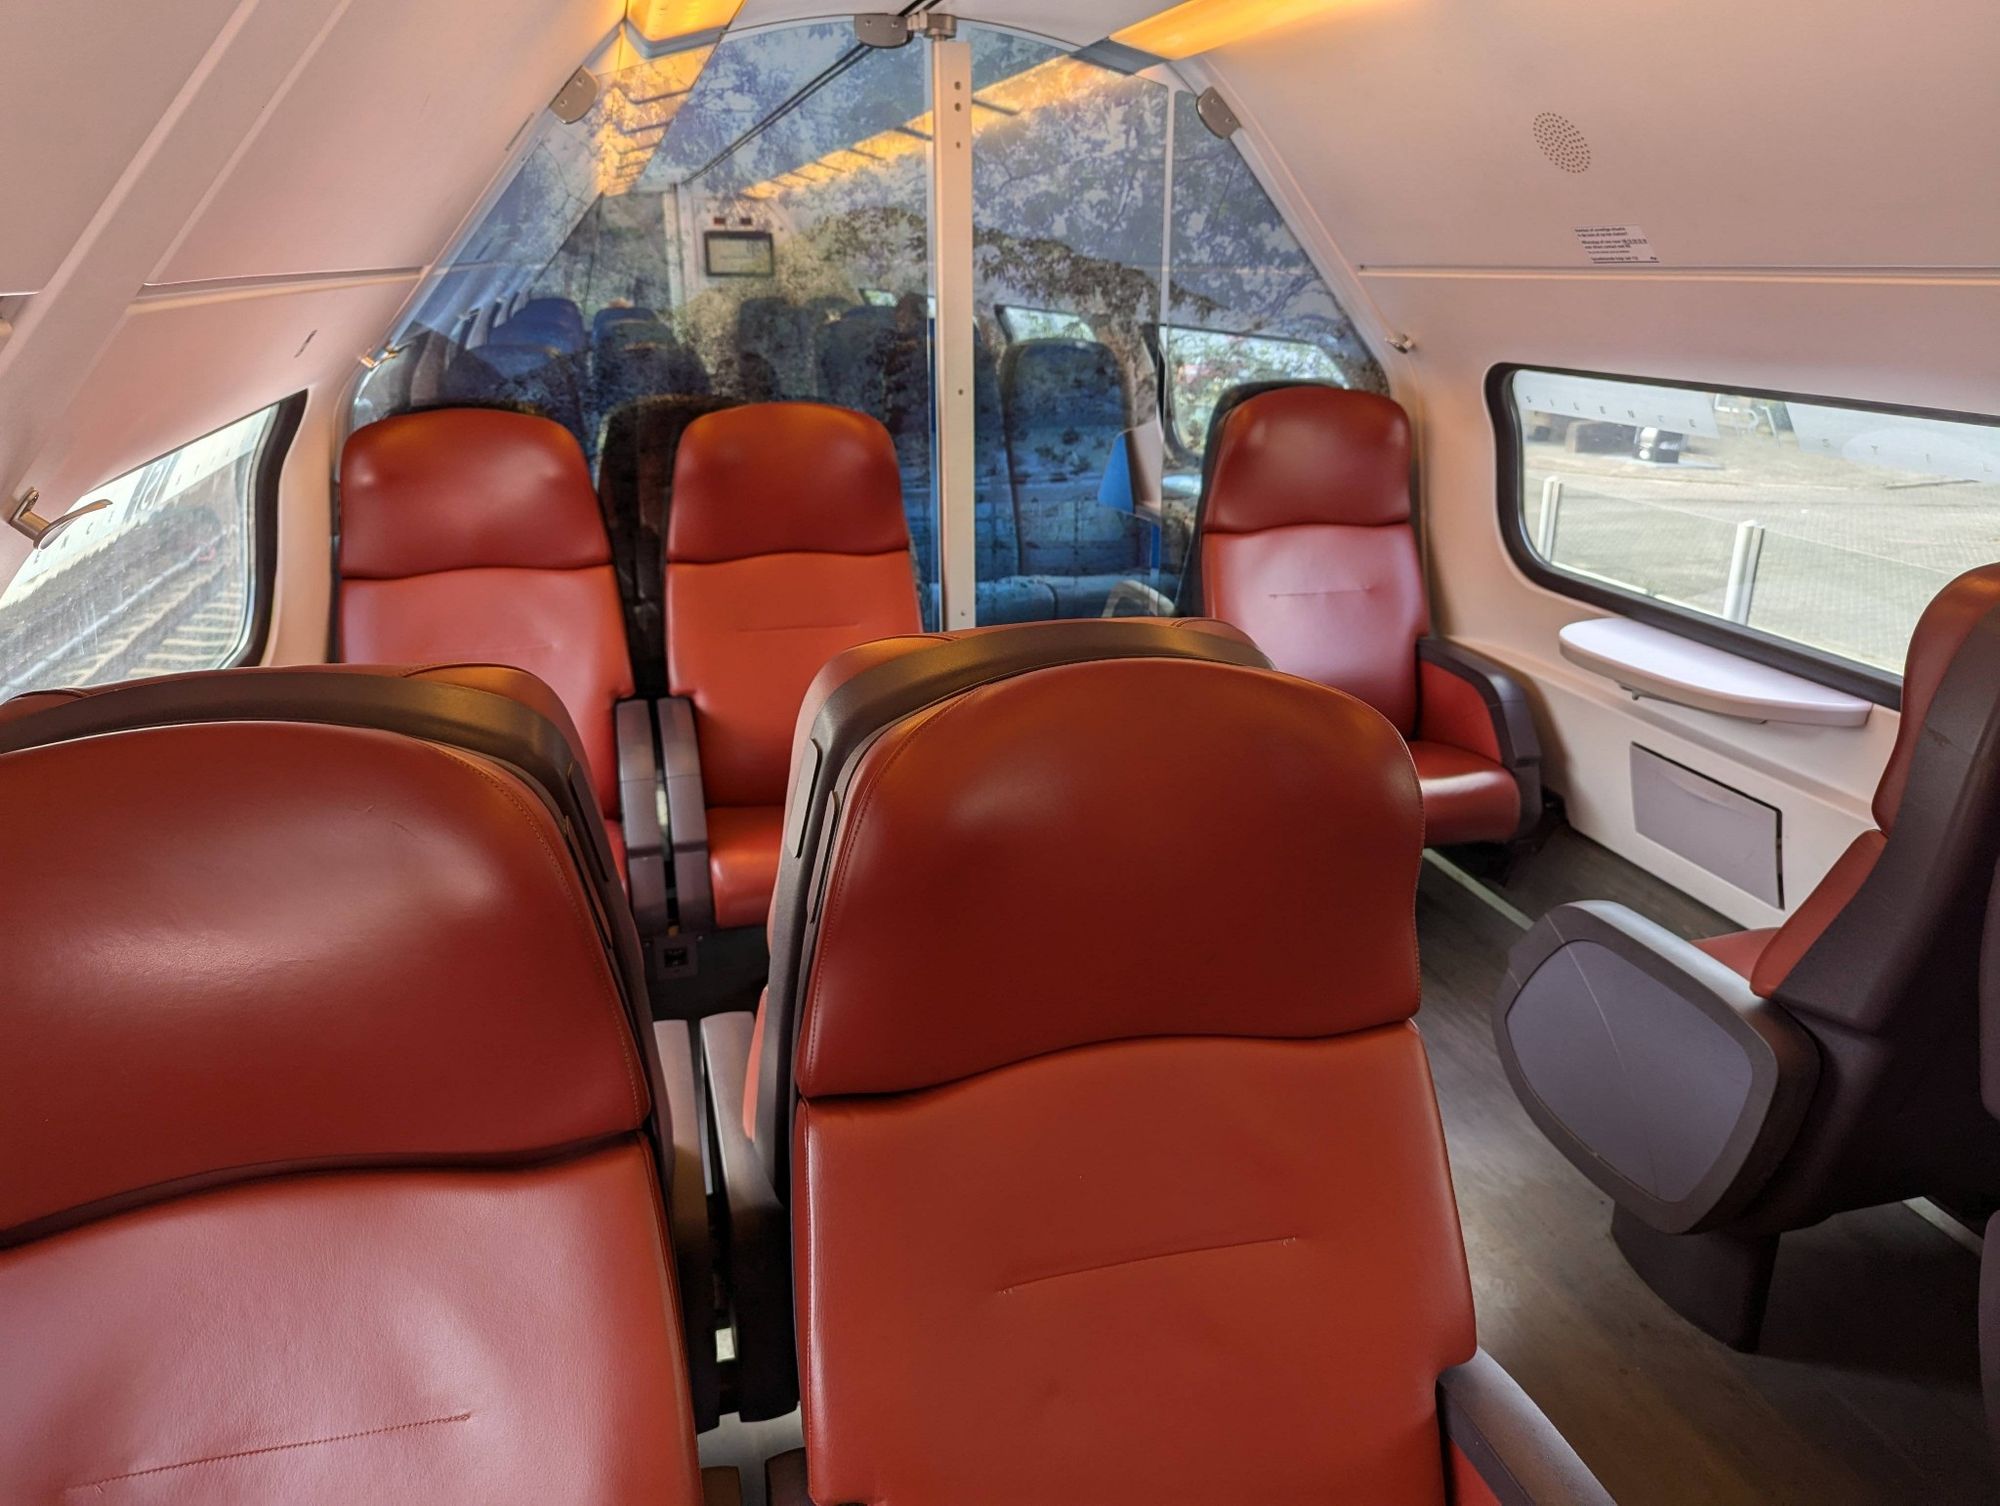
(749, 221)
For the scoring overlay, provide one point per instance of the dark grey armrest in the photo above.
(1508, 707)
(758, 1233)
(687, 814)
(1652, 1066)
(785, 1479)
(1510, 1445)
(639, 817)
(687, 1215)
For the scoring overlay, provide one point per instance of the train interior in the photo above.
(999, 753)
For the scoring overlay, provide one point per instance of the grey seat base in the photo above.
(1719, 1281)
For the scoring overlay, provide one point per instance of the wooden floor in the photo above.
(1866, 1388)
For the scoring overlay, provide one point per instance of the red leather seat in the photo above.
(330, 1175)
(1303, 540)
(1766, 956)
(1058, 1211)
(786, 543)
(471, 534)
(1728, 1091)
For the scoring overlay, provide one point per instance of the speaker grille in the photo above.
(1562, 143)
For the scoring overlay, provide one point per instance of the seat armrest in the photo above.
(1475, 684)
(687, 814)
(639, 817)
(687, 1215)
(1651, 1065)
(1497, 1439)
(757, 1232)
(721, 1485)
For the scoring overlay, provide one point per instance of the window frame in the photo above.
(1879, 686)
(266, 480)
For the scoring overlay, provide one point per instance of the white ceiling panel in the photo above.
(84, 86)
(1732, 135)
(386, 136)
(180, 367)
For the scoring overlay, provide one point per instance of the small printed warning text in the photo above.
(1616, 246)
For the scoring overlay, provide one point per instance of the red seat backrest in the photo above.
(473, 534)
(328, 1173)
(786, 543)
(1089, 1204)
(1941, 632)
(1305, 540)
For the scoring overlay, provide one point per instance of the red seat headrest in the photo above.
(1308, 454)
(785, 478)
(463, 489)
(263, 946)
(1939, 634)
(1109, 850)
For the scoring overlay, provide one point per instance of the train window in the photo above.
(1805, 530)
(173, 574)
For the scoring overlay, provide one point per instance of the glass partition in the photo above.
(750, 221)
(1069, 199)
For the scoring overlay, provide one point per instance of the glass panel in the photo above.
(157, 583)
(730, 224)
(1245, 303)
(1069, 164)
(830, 164)
(1830, 525)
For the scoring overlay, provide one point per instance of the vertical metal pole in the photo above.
(951, 282)
(1167, 228)
(1744, 556)
(1545, 525)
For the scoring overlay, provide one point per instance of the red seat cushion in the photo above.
(1739, 950)
(1056, 1281)
(1467, 798)
(564, 627)
(745, 638)
(496, 1336)
(475, 535)
(786, 545)
(743, 861)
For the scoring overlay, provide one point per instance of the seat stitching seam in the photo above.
(1113, 1265)
(274, 1448)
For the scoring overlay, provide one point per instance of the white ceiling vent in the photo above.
(1562, 142)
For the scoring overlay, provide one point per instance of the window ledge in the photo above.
(1651, 662)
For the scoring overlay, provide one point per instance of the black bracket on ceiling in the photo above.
(890, 30)
(1215, 113)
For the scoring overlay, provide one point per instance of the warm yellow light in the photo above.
(1203, 25)
(1044, 84)
(664, 20)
